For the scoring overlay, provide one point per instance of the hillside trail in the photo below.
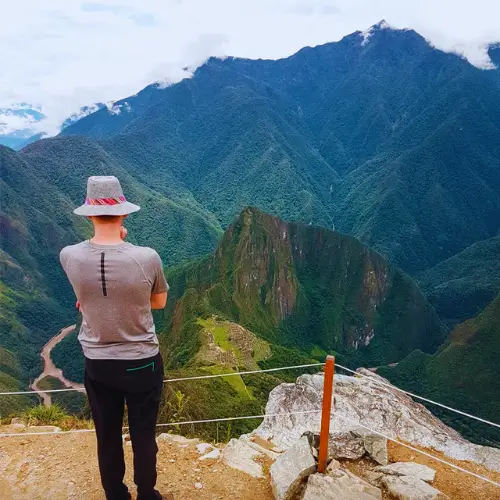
(51, 370)
(65, 467)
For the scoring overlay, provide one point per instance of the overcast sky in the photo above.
(63, 54)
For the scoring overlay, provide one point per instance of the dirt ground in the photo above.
(65, 467)
(457, 485)
(61, 467)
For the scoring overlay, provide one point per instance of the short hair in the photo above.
(107, 219)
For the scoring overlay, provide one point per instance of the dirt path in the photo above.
(65, 467)
(51, 370)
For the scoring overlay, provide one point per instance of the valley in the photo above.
(51, 370)
(345, 200)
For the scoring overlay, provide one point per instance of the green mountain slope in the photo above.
(461, 286)
(40, 187)
(462, 374)
(301, 287)
(386, 137)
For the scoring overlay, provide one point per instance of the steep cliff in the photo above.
(302, 287)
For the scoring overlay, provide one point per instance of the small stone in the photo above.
(213, 455)
(176, 439)
(333, 465)
(411, 469)
(411, 488)
(198, 486)
(376, 447)
(204, 448)
(172, 461)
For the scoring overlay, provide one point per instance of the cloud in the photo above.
(61, 55)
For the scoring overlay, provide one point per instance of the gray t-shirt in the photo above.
(113, 284)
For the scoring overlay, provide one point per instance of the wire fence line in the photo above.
(272, 415)
(283, 368)
(169, 424)
(430, 455)
(416, 396)
(171, 380)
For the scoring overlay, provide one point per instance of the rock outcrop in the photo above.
(240, 456)
(361, 401)
(340, 485)
(292, 469)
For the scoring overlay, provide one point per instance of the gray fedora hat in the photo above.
(105, 197)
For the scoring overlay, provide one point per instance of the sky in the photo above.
(60, 55)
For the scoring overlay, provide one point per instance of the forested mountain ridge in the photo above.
(301, 287)
(40, 187)
(463, 373)
(461, 286)
(379, 134)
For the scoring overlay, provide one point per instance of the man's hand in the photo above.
(123, 232)
(78, 306)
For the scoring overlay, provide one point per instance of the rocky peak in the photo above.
(335, 290)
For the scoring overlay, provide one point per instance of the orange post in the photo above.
(326, 413)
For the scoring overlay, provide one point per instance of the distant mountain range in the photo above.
(17, 125)
(461, 374)
(379, 136)
(382, 137)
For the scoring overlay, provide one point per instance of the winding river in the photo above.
(51, 370)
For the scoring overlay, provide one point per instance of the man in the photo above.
(117, 284)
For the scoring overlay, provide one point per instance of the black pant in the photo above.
(109, 384)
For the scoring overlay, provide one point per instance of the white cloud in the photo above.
(64, 54)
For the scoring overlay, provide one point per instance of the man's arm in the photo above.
(159, 290)
(159, 300)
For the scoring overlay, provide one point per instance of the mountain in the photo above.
(494, 54)
(300, 287)
(462, 374)
(40, 187)
(461, 286)
(379, 134)
(16, 125)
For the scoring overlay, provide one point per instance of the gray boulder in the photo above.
(411, 488)
(417, 471)
(291, 470)
(340, 485)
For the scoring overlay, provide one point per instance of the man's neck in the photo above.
(107, 235)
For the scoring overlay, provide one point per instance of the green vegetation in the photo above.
(462, 374)
(336, 296)
(462, 286)
(392, 141)
(68, 356)
(54, 415)
(43, 415)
